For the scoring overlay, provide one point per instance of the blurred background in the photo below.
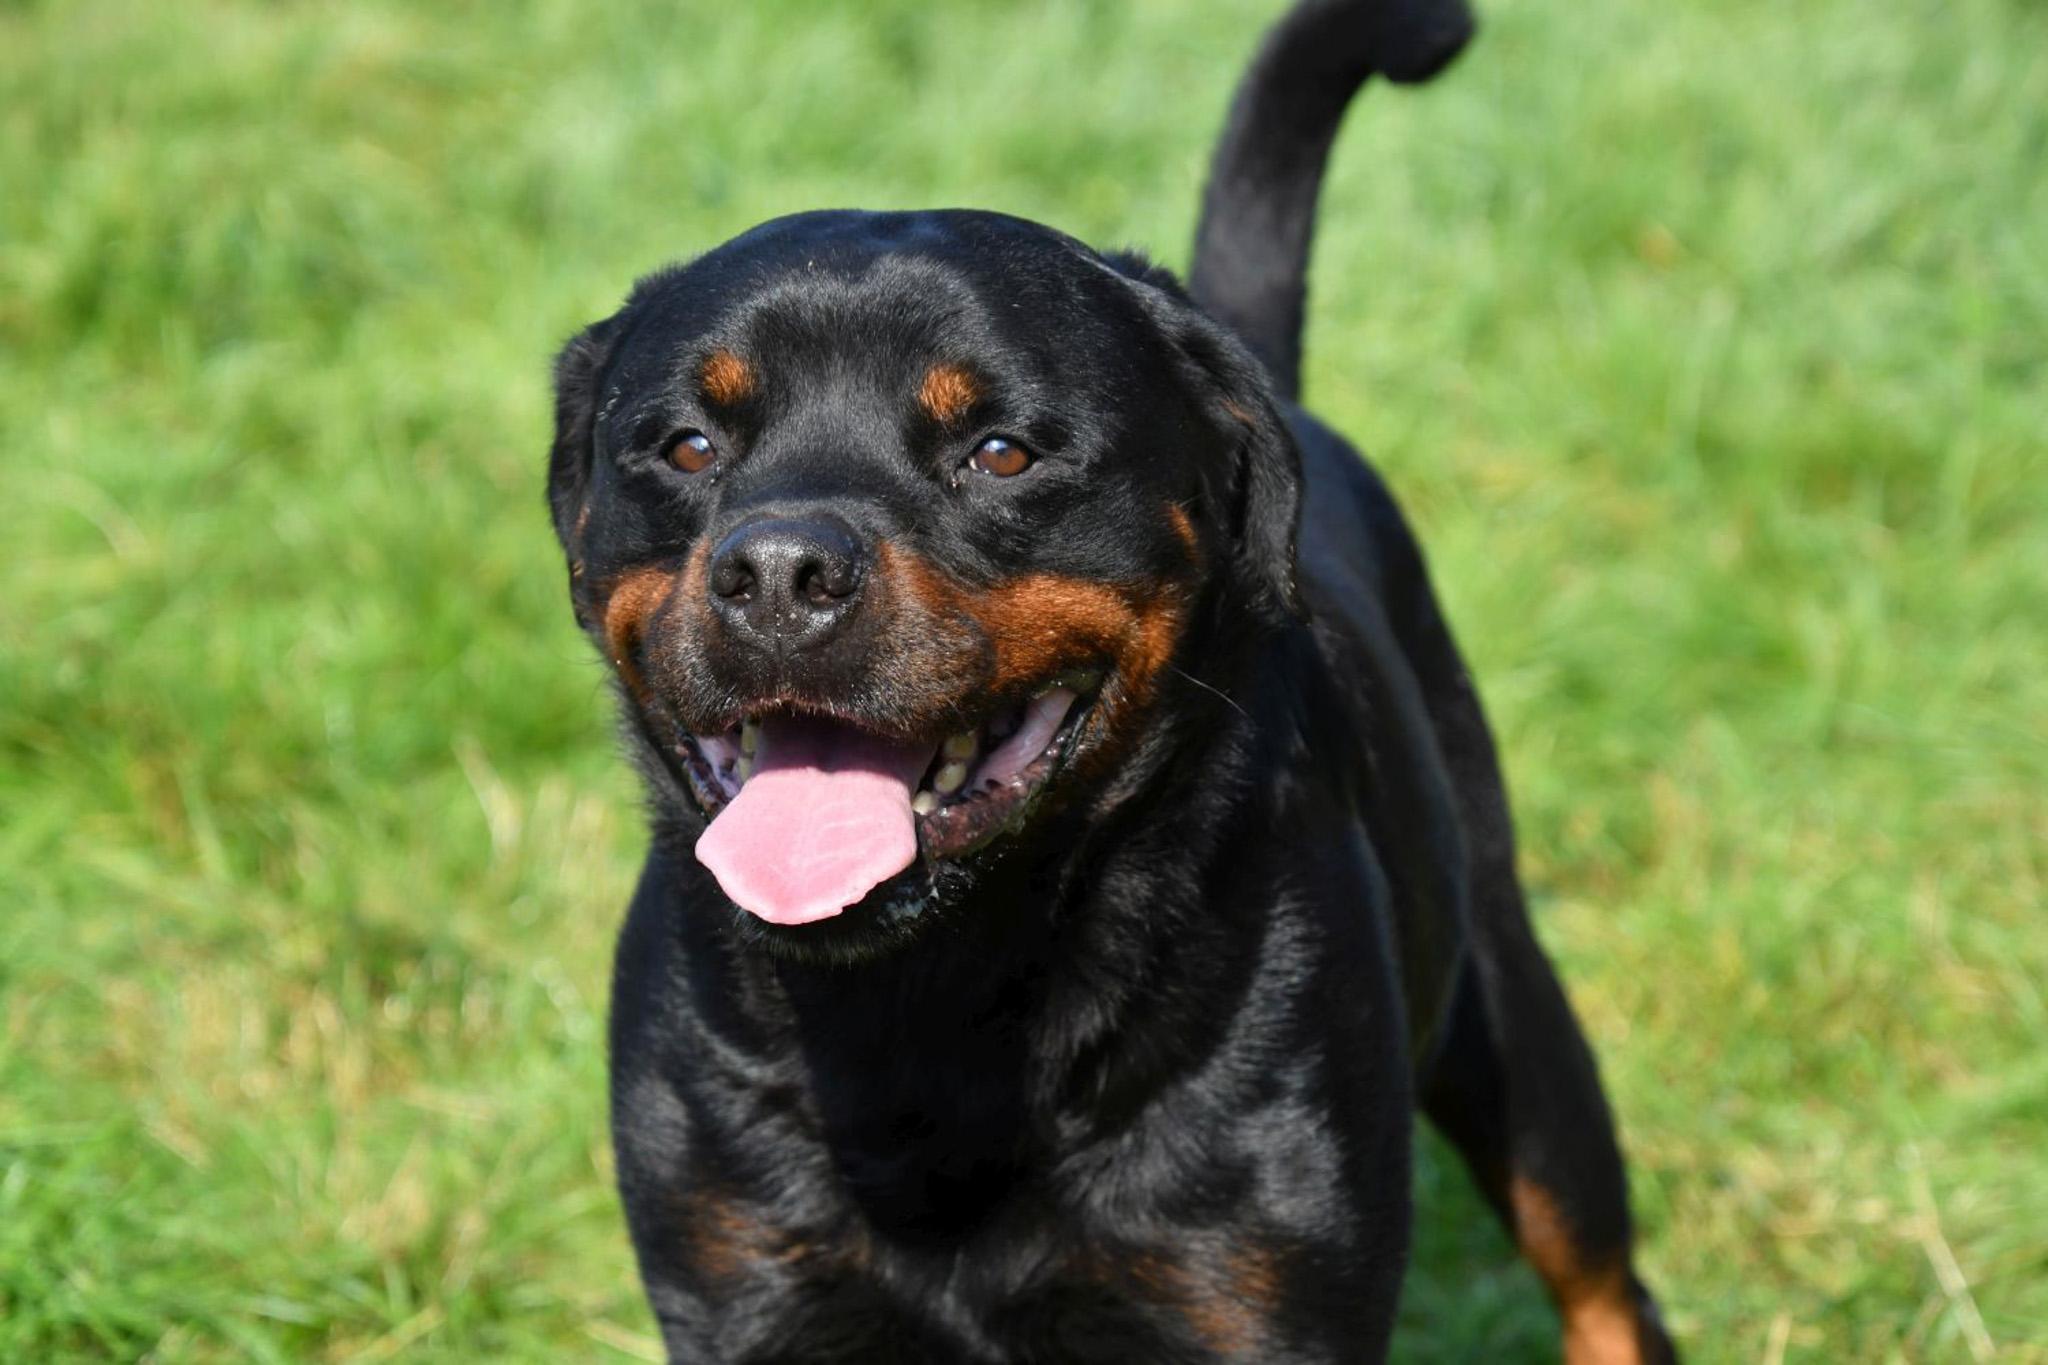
(1707, 344)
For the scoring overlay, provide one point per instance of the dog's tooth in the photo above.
(746, 765)
(750, 737)
(950, 777)
(925, 802)
(962, 745)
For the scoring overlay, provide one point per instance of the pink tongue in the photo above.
(824, 820)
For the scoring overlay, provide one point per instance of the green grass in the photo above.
(1708, 345)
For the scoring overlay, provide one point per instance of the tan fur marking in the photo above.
(629, 605)
(1226, 1305)
(728, 1242)
(632, 602)
(947, 392)
(576, 545)
(1184, 529)
(1593, 1300)
(1232, 1315)
(726, 378)
(1039, 624)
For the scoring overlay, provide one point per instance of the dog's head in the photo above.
(898, 530)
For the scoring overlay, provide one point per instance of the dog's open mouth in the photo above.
(810, 814)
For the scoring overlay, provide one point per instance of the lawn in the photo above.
(1707, 344)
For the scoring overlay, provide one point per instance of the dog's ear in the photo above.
(1235, 396)
(578, 368)
(1265, 503)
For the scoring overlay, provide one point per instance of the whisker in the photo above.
(1206, 687)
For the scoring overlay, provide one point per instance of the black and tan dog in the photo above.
(1077, 850)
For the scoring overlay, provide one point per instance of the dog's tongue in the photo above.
(824, 820)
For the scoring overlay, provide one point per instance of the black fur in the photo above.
(1251, 248)
(1133, 1080)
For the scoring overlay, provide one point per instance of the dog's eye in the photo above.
(1000, 457)
(692, 452)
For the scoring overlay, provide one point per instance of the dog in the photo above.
(1077, 849)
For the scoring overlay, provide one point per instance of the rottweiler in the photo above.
(1077, 850)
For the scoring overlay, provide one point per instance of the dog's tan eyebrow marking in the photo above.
(726, 378)
(947, 392)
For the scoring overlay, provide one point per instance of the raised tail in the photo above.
(1251, 249)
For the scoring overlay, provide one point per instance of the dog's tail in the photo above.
(1251, 249)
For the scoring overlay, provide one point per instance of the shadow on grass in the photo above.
(1468, 1296)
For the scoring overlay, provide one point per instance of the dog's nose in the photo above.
(786, 582)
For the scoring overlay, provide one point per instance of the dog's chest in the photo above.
(1151, 1252)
